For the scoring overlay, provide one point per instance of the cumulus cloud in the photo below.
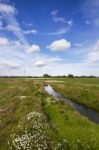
(33, 48)
(59, 45)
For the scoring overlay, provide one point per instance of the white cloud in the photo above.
(4, 41)
(90, 9)
(8, 68)
(78, 44)
(59, 32)
(13, 28)
(10, 44)
(87, 22)
(1, 23)
(96, 48)
(93, 56)
(13, 51)
(55, 59)
(54, 12)
(4, 8)
(46, 61)
(28, 24)
(9, 13)
(1, 17)
(59, 45)
(70, 22)
(57, 18)
(76, 69)
(33, 48)
(39, 63)
(33, 31)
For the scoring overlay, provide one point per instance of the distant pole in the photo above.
(24, 71)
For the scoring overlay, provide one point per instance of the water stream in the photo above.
(88, 112)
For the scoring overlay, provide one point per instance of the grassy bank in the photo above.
(82, 90)
(75, 131)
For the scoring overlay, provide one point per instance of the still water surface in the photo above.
(88, 112)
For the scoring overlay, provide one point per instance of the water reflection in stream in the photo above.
(88, 112)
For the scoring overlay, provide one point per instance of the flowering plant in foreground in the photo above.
(33, 133)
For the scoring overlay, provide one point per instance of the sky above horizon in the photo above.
(57, 37)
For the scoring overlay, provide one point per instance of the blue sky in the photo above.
(57, 37)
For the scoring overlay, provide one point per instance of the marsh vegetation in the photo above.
(31, 119)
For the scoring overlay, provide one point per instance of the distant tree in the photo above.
(46, 76)
(70, 75)
(63, 76)
(83, 76)
(92, 76)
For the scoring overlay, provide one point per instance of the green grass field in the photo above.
(30, 119)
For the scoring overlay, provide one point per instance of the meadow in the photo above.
(30, 119)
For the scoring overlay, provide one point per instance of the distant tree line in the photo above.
(67, 76)
(49, 76)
